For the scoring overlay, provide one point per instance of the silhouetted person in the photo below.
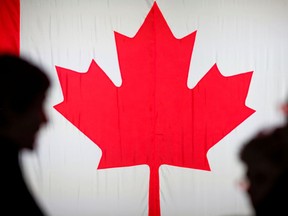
(22, 93)
(266, 160)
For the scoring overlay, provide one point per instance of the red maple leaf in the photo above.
(153, 118)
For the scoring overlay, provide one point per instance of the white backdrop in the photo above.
(238, 35)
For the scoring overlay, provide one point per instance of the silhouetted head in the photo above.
(266, 160)
(23, 87)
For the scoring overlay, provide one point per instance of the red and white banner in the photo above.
(150, 100)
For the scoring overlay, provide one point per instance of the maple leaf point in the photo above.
(153, 118)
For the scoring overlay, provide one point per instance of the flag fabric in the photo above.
(10, 26)
(229, 55)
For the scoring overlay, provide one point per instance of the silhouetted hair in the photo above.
(269, 145)
(21, 82)
(266, 159)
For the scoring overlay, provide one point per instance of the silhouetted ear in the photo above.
(6, 116)
(3, 118)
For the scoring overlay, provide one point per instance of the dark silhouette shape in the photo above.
(266, 160)
(23, 88)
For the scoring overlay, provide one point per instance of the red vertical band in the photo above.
(10, 26)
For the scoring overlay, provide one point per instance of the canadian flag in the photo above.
(150, 100)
